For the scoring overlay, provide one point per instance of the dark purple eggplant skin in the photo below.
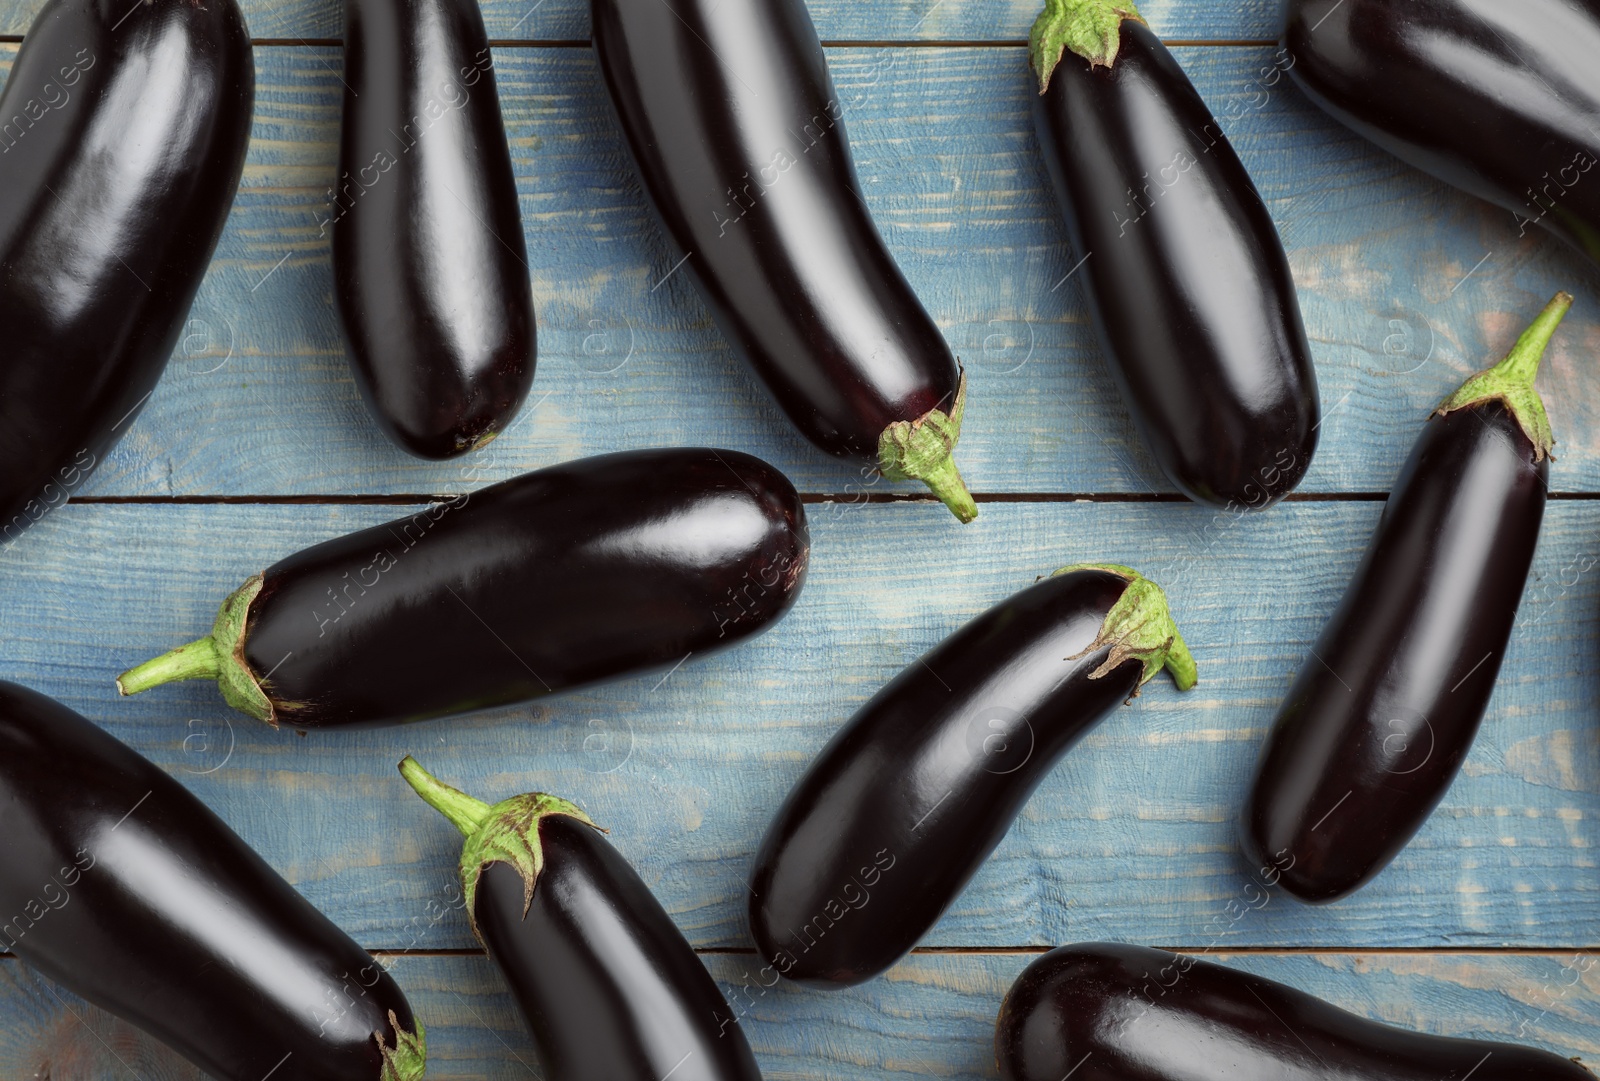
(911, 796)
(610, 989)
(121, 886)
(584, 571)
(123, 131)
(1500, 100)
(1183, 273)
(560, 578)
(1114, 1012)
(738, 137)
(1386, 707)
(429, 262)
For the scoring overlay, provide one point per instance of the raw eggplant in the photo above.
(429, 265)
(118, 884)
(1185, 279)
(1115, 1013)
(913, 793)
(1499, 99)
(123, 131)
(556, 579)
(610, 989)
(1385, 708)
(738, 137)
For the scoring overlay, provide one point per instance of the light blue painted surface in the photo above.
(836, 20)
(1406, 287)
(259, 399)
(930, 1016)
(1132, 837)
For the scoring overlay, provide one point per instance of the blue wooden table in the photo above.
(256, 444)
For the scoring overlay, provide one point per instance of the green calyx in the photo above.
(218, 656)
(506, 832)
(1511, 381)
(922, 450)
(1139, 625)
(407, 1060)
(1092, 29)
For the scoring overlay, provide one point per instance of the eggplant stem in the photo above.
(197, 660)
(1521, 365)
(408, 1059)
(1092, 29)
(218, 656)
(944, 480)
(1180, 662)
(466, 813)
(1510, 382)
(1139, 626)
(507, 832)
(923, 449)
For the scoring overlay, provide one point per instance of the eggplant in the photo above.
(610, 989)
(1114, 1012)
(118, 884)
(1500, 100)
(552, 580)
(430, 268)
(738, 138)
(1384, 710)
(1183, 273)
(909, 798)
(123, 130)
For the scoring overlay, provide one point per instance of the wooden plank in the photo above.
(930, 1016)
(259, 399)
(1132, 836)
(836, 20)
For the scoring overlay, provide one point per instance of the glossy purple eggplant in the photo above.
(609, 988)
(1109, 1012)
(123, 131)
(1499, 99)
(738, 137)
(1387, 704)
(908, 799)
(429, 265)
(1186, 281)
(121, 886)
(577, 573)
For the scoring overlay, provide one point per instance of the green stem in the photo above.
(1180, 663)
(1521, 365)
(1510, 382)
(1140, 625)
(466, 813)
(219, 656)
(944, 480)
(197, 660)
(507, 832)
(923, 449)
(1092, 29)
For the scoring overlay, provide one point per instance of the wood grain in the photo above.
(258, 399)
(837, 20)
(930, 1016)
(1406, 287)
(1131, 837)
